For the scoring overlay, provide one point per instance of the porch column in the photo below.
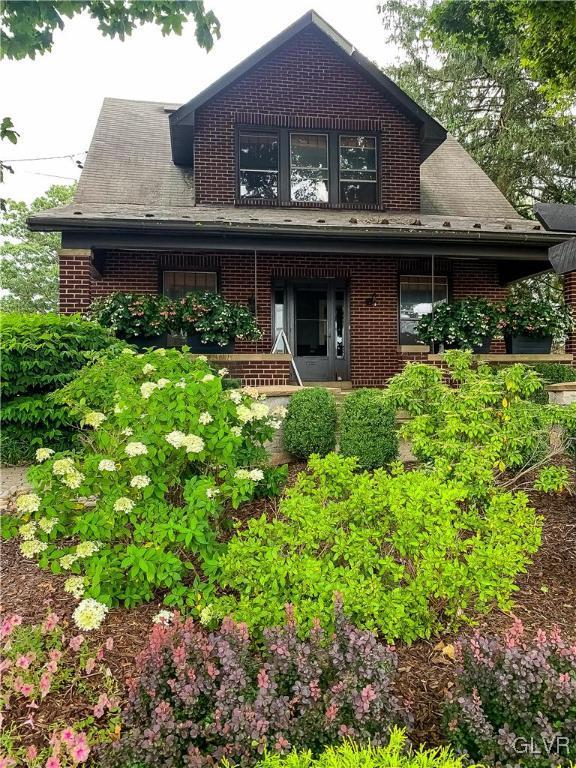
(75, 279)
(570, 299)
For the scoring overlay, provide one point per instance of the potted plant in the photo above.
(212, 324)
(470, 323)
(141, 319)
(531, 323)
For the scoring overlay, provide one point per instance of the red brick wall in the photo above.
(372, 283)
(307, 83)
(570, 298)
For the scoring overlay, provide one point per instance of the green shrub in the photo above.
(367, 428)
(396, 754)
(39, 354)
(410, 552)
(310, 425)
(139, 507)
(551, 373)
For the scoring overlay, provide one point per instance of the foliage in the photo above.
(30, 422)
(482, 431)
(515, 699)
(486, 101)
(204, 697)
(368, 429)
(28, 27)
(396, 754)
(411, 552)
(139, 508)
(130, 315)
(29, 260)
(215, 319)
(465, 324)
(528, 315)
(310, 425)
(205, 313)
(545, 34)
(549, 373)
(42, 666)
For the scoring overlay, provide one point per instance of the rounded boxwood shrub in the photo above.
(310, 425)
(367, 428)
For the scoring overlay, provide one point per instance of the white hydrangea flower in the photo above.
(203, 358)
(251, 392)
(160, 351)
(87, 548)
(274, 423)
(279, 411)
(119, 408)
(46, 524)
(32, 547)
(135, 449)
(208, 377)
(73, 479)
(89, 614)
(242, 474)
(74, 586)
(175, 438)
(128, 431)
(94, 419)
(66, 561)
(206, 614)
(147, 388)
(180, 384)
(123, 504)
(161, 383)
(193, 444)
(28, 503)
(140, 481)
(148, 368)
(236, 396)
(43, 453)
(62, 467)
(28, 531)
(259, 410)
(222, 372)
(236, 431)
(205, 418)
(107, 465)
(128, 351)
(163, 617)
(256, 475)
(244, 414)
(212, 492)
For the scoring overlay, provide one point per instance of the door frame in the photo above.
(338, 368)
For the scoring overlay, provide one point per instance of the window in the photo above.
(357, 159)
(258, 163)
(416, 301)
(309, 167)
(179, 284)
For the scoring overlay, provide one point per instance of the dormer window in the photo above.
(307, 168)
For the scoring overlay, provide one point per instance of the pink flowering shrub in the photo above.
(515, 701)
(42, 670)
(202, 697)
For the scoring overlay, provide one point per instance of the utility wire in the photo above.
(53, 157)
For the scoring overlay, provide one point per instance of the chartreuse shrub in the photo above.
(40, 353)
(549, 373)
(396, 754)
(310, 425)
(140, 507)
(515, 700)
(203, 697)
(367, 428)
(412, 553)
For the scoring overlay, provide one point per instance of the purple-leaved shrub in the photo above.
(515, 700)
(202, 697)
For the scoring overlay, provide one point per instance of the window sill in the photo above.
(258, 203)
(413, 349)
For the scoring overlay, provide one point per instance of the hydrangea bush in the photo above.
(141, 507)
(42, 666)
(202, 697)
(515, 699)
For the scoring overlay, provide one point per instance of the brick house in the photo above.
(306, 184)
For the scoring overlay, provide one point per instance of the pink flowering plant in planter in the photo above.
(532, 315)
(130, 314)
(141, 508)
(214, 319)
(467, 324)
(44, 666)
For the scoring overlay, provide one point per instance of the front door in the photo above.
(317, 320)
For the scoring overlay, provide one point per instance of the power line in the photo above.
(53, 157)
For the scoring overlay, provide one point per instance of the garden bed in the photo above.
(546, 597)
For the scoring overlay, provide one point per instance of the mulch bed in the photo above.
(546, 598)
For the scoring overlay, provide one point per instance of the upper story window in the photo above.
(308, 167)
(258, 163)
(358, 180)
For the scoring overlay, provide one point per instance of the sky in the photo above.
(55, 99)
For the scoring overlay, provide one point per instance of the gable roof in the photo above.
(182, 119)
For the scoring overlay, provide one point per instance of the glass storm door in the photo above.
(319, 330)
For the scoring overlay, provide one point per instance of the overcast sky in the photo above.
(54, 100)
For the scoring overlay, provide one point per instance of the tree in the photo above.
(483, 95)
(28, 260)
(27, 26)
